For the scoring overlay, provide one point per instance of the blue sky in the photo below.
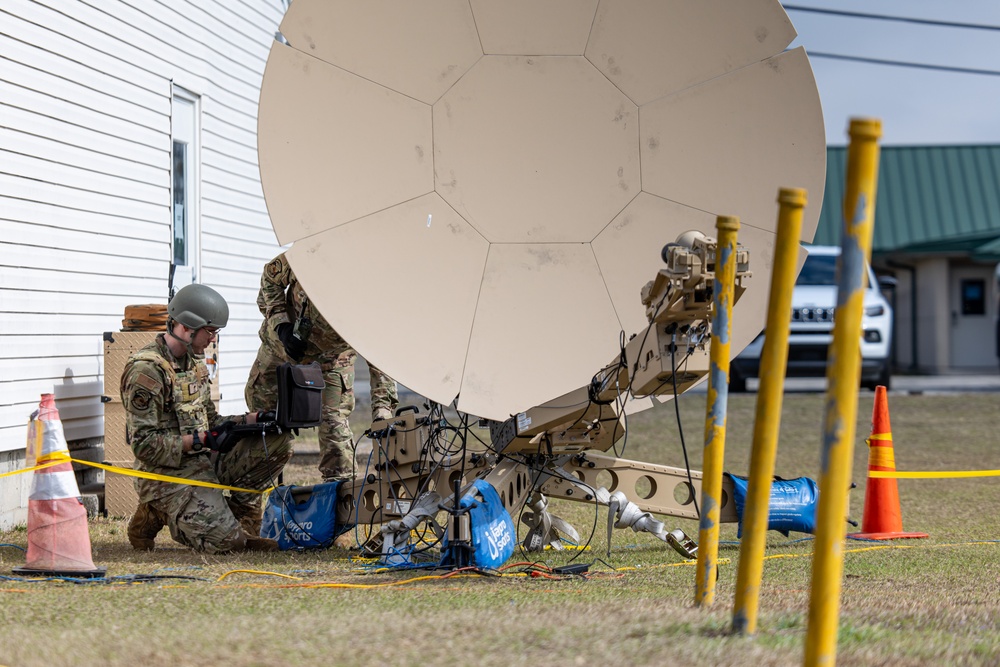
(916, 106)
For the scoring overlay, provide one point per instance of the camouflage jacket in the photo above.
(166, 398)
(281, 299)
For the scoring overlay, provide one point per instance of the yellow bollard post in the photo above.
(715, 418)
(767, 419)
(842, 377)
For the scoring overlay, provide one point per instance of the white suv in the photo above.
(814, 300)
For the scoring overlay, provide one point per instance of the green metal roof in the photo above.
(930, 199)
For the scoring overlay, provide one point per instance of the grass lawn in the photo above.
(910, 602)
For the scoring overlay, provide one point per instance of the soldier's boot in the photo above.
(345, 541)
(146, 523)
(260, 544)
(249, 518)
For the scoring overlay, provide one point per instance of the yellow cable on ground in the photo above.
(261, 572)
(387, 584)
(879, 547)
(633, 568)
(460, 574)
(567, 547)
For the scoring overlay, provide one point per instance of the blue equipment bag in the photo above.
(493, 534)
(792, 505)
(302, 517)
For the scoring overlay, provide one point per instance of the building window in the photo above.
(973, 296)
(181, 169)
(184, 189)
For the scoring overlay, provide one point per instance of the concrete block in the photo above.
(14, 490)
(92, 503)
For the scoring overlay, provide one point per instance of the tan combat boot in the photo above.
(345, 541)
(260, 544)
(146, 523)
(249, 518)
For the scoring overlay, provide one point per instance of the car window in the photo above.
(818, 270)
(822, 270)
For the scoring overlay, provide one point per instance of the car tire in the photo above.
(884, 378)
(737, 381)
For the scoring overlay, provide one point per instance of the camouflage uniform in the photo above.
(280, 300)
(166, 398)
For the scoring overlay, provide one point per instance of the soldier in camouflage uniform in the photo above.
(174, 429)
(282, 301)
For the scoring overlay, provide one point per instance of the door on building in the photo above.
(973, 319)
(185, 180)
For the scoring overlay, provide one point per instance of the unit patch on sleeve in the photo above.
(273, 268)
(140, 400)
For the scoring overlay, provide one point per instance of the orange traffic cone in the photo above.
(882, 518)
(58, 535)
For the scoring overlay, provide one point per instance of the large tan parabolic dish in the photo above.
(477, 190)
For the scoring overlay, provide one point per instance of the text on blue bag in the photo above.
(491, 525)
(301, 517)
(792, 504)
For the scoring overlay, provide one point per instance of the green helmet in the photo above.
(196, 306)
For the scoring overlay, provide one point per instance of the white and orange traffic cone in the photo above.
(882, 519)
(58, 534)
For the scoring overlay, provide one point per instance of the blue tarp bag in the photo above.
(792, 505)
(301, 517)
(493, 535)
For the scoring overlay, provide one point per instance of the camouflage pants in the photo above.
(205, 519)
(336, 441)
(384, 393)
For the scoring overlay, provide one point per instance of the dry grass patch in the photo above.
(927, 602)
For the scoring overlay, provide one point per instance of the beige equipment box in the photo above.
(119, 490)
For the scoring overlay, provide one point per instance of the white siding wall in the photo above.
(85, 99)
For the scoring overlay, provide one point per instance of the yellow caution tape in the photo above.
(30, 469)
(880, 436)
(948, 474)
(167, 478)
(881, 457)
(56, 458)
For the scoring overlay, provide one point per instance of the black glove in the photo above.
(294, 347)
(221, 438)
(267, 416)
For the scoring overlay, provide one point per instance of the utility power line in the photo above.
(901, 19)
(885, 17)
(902, 63)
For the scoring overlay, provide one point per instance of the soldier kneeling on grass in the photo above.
(174, 430)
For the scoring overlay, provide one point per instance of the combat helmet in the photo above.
(196, 306)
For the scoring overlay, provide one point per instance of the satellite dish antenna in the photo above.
(477, 191)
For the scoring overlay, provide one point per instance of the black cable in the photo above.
(597, 508)
(376, 441)
(524, 502)
(118, 579)
(390, 469)
(645, 335)
(620, 399)
(455, 445)
(680, 428)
